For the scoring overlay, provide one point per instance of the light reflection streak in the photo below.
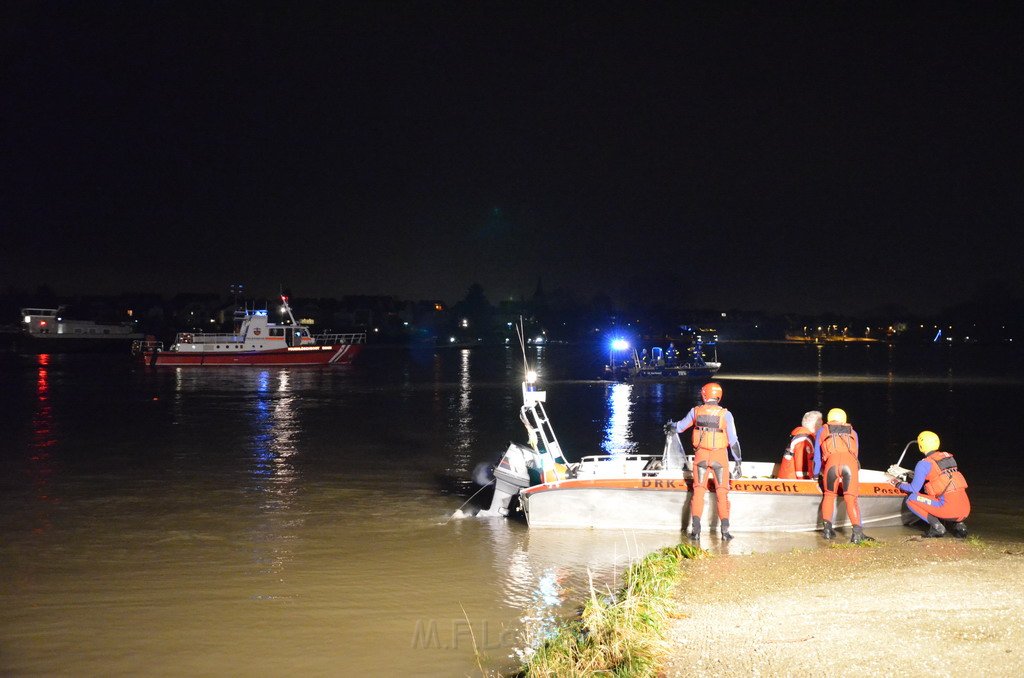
(43, 435)
(272, 469)
(44, 438)
(819, 389)
(464, 417)
(617, 430)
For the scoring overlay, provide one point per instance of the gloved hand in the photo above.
(670, 427)
(737, 471)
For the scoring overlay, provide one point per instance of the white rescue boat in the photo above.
(652, 492)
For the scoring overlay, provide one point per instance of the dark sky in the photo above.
(780, 156)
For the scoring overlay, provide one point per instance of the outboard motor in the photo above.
(518, 469)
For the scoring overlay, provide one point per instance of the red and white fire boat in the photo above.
(255, 341)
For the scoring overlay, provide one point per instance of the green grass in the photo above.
(623, 634)
(866, 544)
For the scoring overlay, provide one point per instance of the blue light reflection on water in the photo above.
(263, 425)
(274, 478)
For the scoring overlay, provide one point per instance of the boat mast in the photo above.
(538, 427)
(288, 309)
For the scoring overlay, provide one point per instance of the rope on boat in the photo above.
(467, 501)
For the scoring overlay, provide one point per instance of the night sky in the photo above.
(779, 157)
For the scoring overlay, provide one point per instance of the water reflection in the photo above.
(618, 427)
(819, 389)
(545, 574)
(44, 438)
(272, 469)
(465, 435)
(43, 434)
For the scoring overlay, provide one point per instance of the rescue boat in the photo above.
(255, 341)
(669, 364)
(653, 492)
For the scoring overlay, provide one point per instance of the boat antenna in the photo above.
(521, 333)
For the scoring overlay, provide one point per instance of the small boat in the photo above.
(255, 341)
(653, 363)
(46, 330)
(652, 492)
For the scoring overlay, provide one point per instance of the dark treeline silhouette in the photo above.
(992, 315)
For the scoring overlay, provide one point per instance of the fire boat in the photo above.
(255, 341)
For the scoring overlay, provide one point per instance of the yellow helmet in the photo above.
(837, 415)
(927, 442)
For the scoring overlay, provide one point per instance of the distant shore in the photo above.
(924, 606)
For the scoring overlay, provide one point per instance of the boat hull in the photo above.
(756, 505)
(682, 372)
(337, 354)
(679, 373)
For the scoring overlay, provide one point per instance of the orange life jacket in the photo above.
(943, 476)
(709, 429)
(837, 439)
(801, 447)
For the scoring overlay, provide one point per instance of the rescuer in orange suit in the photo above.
(798, 459)
(938, 491)
(835, 456)
(714, 436)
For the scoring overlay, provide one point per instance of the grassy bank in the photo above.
(620, 634)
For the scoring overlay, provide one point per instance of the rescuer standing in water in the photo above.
(835, 456)
(714, 436)
(938, 491)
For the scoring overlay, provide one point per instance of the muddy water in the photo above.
(276, 521)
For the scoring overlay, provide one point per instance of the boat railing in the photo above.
(329, 339)
(599, 465)
(146, 346)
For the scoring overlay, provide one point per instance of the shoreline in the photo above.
(934, 606)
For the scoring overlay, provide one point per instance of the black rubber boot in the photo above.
(828, 532)
(960, 531)
(725, 530)
(935, 527)
(859, 536)
(695, 530)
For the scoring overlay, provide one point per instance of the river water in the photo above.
(254, 521)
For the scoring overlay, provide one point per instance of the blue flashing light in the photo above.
(260, 313)
(620, 345)
(938, 335)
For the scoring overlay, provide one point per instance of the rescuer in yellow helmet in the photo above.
(937, 491)
(836, 449)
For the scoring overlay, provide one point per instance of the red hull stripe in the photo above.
(339, 354)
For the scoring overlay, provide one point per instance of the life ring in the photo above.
(257, 331)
